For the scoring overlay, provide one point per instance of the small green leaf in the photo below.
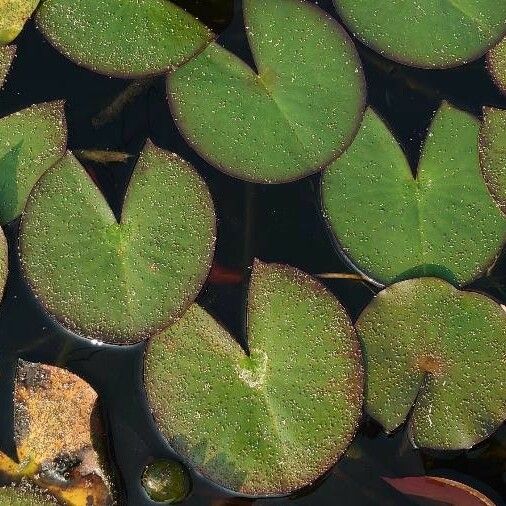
(13, 16)
(31, 141)
(166, 481)
(7, 54)
(26, 496)
(123, 37)
(444, 223)
(493, 153)
(427, 34)
(441, 349)
(271, 421)
(121, 281)
(497, 64)
(292, 118)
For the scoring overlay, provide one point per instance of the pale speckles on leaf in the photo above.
(496, 59)
(31, 141)
(25, 495)
(273, 421)
(119, 282)
(493, 153)
(426, 33)
(13, 16)
(392, 226)
(441, 349)
(123, 37)
(294, 117)
(7, 55)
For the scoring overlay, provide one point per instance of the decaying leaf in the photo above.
(58, 437)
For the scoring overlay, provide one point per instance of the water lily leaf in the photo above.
(13, 16)
(292, 118)
(435, 488)
(431, 34)
(7, 54)
(121, 281)
(444, 223)
(31, 141)
(56, 429)
(25, 496)
(442, 350)
(271, 421)
(497, 64)
(493, 153)
(123, 37)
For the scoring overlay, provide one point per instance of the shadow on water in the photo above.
(274, 223)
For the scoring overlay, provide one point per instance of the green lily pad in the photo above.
(273, 420)
(428, 34)
(497, 64)
(31, 141)
(292, 118)
(13, 16)
(442, 350)
(7, 54)
(444, 223)
(493, 153)
(26, 496)
(119, 282)
(126, 38)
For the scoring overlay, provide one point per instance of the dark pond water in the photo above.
(274, 223)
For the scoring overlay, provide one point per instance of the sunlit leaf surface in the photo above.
(118, 281)
(493, 153)
(273, 420)
(292, 118)
(441, 349)
(7, 54)
(58, 437)
(123, 37)
(25, 496)
(31, 141)
(393, 226)
(497, 64)
(13, 16)
(426, 33)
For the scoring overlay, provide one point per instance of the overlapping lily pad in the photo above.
(123, 37)
(57, 429)
(428, 33)
(493, 153)
(31, 141)
(119, 282)
(13, 16)
(442, 350)
(497, 64)
(26, 496)
(272, 420)
(294, 116)
(444, 223)
(7, 54)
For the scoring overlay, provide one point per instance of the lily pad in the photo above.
(13, 16)
(57, 427)
(294, 116)
(126, 38)
(118, 281)
(7, 54)
(436, 355)
(31, 141)
(26, 496)
(444, 223)
(493, 153)
(497, 64)
(428, 34)
(273, 420)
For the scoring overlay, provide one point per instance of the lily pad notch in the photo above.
(271, 421)
(286, 121)
(443, 223)
(118, 281)
(435, 355)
